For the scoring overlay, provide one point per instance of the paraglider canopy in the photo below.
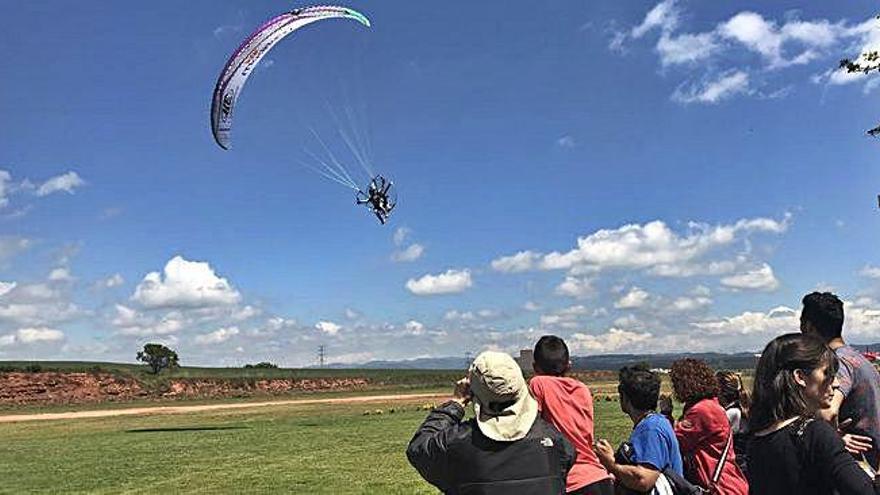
(242, 62)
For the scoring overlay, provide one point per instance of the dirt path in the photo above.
(209, 407)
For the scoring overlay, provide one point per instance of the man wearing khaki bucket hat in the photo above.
(506, 448)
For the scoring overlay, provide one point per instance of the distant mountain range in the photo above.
(612, 362)
(604, 362)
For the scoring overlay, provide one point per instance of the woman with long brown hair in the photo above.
(791, 453)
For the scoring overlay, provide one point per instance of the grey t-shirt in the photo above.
(860, 386)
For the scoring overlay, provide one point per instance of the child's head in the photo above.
(551, 356)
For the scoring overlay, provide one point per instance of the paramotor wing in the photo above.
(242, 62)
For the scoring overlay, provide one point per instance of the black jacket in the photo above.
(458, 459)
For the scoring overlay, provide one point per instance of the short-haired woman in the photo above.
(791, 453)
(704, 434)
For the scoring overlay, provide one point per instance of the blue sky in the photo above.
(633, 177)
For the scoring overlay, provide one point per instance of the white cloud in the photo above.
(664, 16)
(686, 48)
(278, 323)
(13, 245)
(455, 315)
(400, 235)
(351, 314)
(328, 327)
(761, 278)
(5, 178)
(577, 287)
(114, 280)
(449, 282)
(34, 335)
(568, 318)
(6, 287)
(531, 306)
(67, 182)
(688, 304)
(613, 340)
(414, 327)
(714, 91)
(777, 321)
(635, 298)
(185, 284)
(653, 247)
(870, 271)
(566, 141)
(245, 313)
(411, 253)
(218, 336)
(130, 322)
(519, 262)
(61, 274)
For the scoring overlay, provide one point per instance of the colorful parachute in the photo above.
(248, 55)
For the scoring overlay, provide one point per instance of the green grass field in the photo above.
(286, 449)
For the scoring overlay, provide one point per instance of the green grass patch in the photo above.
(278, 449)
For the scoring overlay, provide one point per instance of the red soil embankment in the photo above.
(77, 388)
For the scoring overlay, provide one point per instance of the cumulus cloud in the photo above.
(613, 340)
(6, 287)
(761, 278)
(449, 282)
(635, 298)
(328, 327)
(686, 48)
(567, 318)
(870, 271)
(777, 45)
(687, 304)
(185, 284)
(519, 262)
(714, 91)
(410, 253)
(566, 142)
(67, 182)
(218, 336)
(414, 327)
(664, 16)
(576, 287)
(114, 280)
(131, 322)
(405, 254)
(13, 245)
(5, 178)
(61, 274)
(777, 321)
(652, 247)
(32, 336)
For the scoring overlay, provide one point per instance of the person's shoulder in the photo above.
(655, 423)
(850, 357)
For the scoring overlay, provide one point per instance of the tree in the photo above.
(865, 63)
(262, 365)
(158, 357)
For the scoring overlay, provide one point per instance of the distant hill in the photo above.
(611, 362)
(738, 361)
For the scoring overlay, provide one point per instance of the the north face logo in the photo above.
(547, 442)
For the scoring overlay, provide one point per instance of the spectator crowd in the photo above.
(809, 426)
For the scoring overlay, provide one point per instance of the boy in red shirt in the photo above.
(568, 405)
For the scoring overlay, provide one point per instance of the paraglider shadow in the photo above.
(187, 428)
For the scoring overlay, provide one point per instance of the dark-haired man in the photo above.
(855, 408)
(568, 404)
(654, 446)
